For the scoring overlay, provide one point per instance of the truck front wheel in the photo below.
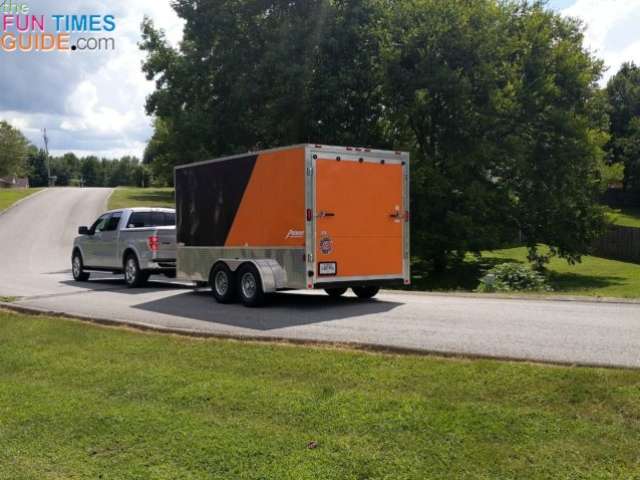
(77, 268)
(366, 292)
(222, 282)
(250, 286)
(133, 276)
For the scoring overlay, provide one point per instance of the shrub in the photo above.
(513, 277)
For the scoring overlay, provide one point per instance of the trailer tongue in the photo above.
(306, 216)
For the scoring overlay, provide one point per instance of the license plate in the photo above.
(327, 268)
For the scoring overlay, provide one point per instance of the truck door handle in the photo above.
(322, 214)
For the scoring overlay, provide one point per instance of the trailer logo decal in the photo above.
(326, 244)
(295, 234)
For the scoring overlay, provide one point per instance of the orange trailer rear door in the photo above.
(359, 219)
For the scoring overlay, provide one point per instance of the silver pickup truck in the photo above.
(135, 241)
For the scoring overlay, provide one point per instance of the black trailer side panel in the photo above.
(207, 199)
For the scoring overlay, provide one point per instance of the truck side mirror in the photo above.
(83, 231)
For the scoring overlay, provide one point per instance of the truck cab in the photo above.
(137, 242)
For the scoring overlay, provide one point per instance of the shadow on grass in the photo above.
(153, 197)
(465, 276)
(564, 282)
(462, 276)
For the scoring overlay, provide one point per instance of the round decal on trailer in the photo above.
(326, 244)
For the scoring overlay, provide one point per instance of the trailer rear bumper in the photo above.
(380, 282)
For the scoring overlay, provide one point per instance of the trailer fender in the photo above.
(272, 275)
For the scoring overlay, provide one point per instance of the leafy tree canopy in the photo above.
(496, 100)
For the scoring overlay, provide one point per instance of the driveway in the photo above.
(36, 237)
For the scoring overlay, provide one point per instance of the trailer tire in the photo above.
(336, 292)
(133, 276)
(77, 268)
(249, 285)
(366, 292)
(222, 283)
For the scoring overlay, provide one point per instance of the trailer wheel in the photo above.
(366, 292)
(223, 284)
(250, 286)
(336, 292)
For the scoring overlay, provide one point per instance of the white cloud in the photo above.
(611, 30)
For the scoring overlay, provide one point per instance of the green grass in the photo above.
(625, 217)
(8, 299)
(594, 276)
(10, 196)
(81, 401)
(124, 197)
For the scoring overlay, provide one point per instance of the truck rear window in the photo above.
(151, 219)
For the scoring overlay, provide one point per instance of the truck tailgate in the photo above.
(166, 243)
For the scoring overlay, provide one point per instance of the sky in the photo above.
(92, 103)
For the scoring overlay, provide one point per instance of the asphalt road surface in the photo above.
(35, 242)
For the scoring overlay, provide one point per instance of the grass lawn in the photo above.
(124, 197)
(626, 217)
(593, 277)
(81, 401)
(10, 196)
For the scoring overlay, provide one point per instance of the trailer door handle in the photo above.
(322, 214)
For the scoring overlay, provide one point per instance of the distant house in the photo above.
(14, 182)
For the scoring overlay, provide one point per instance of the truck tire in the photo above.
(77, 268)
(336, 292)
(223, 283)
(133, 276)
(249, 286)
(366, 292)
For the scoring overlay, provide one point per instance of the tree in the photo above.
(37, 167)
(255, 74)
(496, 102)
(623, 91)
(14, 148)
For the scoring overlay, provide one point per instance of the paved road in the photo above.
(35, 238)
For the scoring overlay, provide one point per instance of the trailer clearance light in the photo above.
(153, 243)
(309, 215)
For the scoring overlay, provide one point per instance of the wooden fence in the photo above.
(619, 243)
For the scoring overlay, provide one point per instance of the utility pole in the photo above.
(46, 150)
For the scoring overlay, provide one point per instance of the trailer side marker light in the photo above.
(318, 146)
(349, 148)
(309, 215)
(406, 215)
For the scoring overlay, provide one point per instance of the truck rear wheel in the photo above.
(250, 286)
(223, 283)
(77, 268)
(336, 292)
(366, 292)
(133, 276)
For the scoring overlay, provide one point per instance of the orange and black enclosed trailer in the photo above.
(306, 216)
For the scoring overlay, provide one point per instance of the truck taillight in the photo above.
(153, 243)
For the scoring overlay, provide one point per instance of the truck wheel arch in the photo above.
(128, 251)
